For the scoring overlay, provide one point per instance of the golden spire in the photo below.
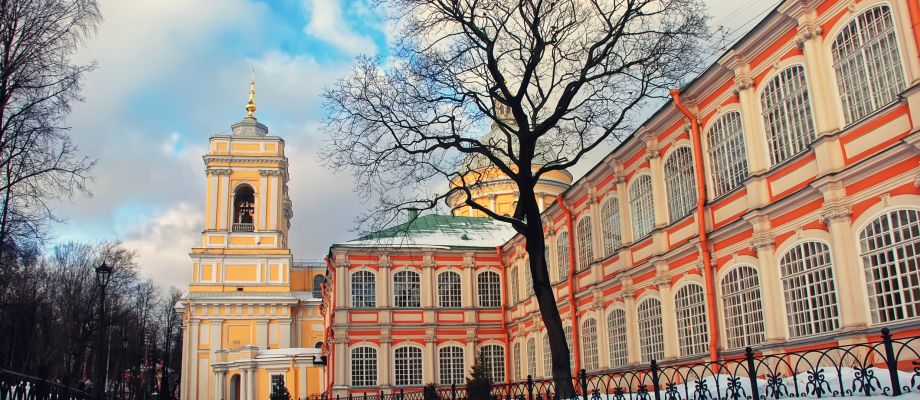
(251, 105)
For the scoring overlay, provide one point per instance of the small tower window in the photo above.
(244, 201)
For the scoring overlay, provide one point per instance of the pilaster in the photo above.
(771, 296)
(668, 316)
(634, 353)
(835, 213)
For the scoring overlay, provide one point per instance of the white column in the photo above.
(244, 384)
(186, 360)
(302, 381)
(219, 378)
(754, 139)
(668, 318)
(385, 368)
(603, 356)
(429, 362)
(625, 217)
(770, 289)
(818, 73)
(193, 361)
(253, 384)
(658, 190)
(835, 213)
(633, 350)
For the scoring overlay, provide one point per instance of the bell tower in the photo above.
(244, 243)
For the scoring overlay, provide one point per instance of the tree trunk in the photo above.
(546, 299)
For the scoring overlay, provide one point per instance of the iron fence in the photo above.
(886, 367)
(15, 386)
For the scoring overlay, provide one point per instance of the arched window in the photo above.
(562, 255)
(642, 206)
(681, 183)
(449, 290)
(547, 357)
(513, 277)
(890, 250)
(407, 365)
(610, 225)
(407, 289)
(616, 337)
(589, 344)
(490, 293)
(651, 337)
(808, 286)
(692, 331)
(363, 290)
(244, 206)
(742, 307)
(450, 365)
(363, 366)
(516, 362)
(532, 357)
(727, 154)
(867, 63)
(585, 242)
(787, 114)
(567, 331)
(528, 277)
(318, 282)
(494, 357)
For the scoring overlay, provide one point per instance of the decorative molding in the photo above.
(218, 171)
(807, 31)
(762, 241)
(742, 82)
(835, 210)
(384, 261)
(269, 172)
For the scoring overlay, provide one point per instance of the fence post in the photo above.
(402, 393)
(655, 386)
(381, 394)
(892, 360)
(583, 380)
(529, 387)
(453, 391)
(752, 372)
(365, 395)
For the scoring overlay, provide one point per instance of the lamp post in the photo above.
(103, 273)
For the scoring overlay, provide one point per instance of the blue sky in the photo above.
(171, 73)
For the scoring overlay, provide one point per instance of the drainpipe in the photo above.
(708, 271)
(913, 9)
(330, 365)
(501, 262)
(576, 346)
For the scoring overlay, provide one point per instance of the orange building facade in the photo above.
(774, 203)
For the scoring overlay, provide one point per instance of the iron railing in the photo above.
(886, 367)
(15, 386)
(242, 227)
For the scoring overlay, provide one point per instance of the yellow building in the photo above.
(251, 316)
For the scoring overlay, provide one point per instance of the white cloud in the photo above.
(328, 24)
(164, 242)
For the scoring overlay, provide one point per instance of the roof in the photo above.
(439, 231)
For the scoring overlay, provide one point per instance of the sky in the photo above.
(171, 73)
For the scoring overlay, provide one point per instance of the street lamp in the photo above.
(103, 274)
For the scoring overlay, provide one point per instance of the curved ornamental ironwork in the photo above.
(15, 386)
(888, 367)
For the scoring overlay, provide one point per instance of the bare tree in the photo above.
(557, 78)
(38, 83)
